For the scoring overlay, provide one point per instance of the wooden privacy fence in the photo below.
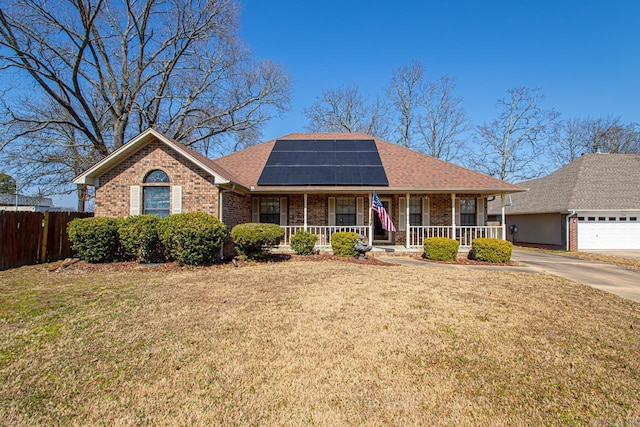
(31, 237)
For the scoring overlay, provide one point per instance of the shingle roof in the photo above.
(405, 168)
(593, 182)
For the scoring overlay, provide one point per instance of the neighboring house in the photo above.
(321, 183)
(591, 203)
(8, 202)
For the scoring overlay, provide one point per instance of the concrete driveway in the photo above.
(611, 278)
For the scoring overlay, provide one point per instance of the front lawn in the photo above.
(313, 343)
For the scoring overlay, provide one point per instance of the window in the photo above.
(345, 211)
(612, 218)
(622, 218)
(633, 218)
(601, 218)
(270, 210)
(415, 211)
(156, 196)
(467, 212)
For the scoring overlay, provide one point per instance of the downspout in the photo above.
(220, 207)
(568, 235)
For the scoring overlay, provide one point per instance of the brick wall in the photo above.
(573, 233)
(198, 190)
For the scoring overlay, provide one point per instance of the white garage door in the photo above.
(608, 235)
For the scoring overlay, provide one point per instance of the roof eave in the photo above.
(379, 189)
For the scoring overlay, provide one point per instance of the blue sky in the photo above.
(585, 55)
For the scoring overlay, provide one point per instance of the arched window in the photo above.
(156, 194)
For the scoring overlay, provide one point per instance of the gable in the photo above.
(92, 175)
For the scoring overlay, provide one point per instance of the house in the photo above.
(591, 203)
(10, 202)
(321, 183)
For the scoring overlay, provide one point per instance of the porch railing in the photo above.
(464, 234)
(323, 232)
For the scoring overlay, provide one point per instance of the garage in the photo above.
(596, 233)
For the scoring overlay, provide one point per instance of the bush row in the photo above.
(482, 249)
(192, 238)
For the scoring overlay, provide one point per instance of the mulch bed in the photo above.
(173, 266)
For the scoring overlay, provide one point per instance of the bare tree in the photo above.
(116, 67)
(346, 110)
(509, 148)
(427, 115)
(404, 93)
(566, 143)
(443, 120)
(574, 137)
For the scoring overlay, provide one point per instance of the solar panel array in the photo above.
(324, 162)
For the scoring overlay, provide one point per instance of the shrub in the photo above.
(303, 242)
(139, 238)
(491, 250)
(192, 238)
(441, 249)
(95, 239)
(253, 240)
(344, 243)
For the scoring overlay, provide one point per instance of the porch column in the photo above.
(305, 211)
(407, 218)
(503, 220)
(370, 219)
(453, 216)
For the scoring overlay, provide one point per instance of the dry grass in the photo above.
(321, 343)
(633, 264)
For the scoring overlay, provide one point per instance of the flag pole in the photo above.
(370, 219)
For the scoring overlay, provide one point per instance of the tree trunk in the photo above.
(82, 196)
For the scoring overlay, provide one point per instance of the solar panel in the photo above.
(342, 162)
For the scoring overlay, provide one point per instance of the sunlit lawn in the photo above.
(313, 343)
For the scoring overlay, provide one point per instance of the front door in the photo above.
(380, 235)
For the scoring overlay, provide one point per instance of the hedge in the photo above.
(139, 237)
(491, 250)
(253, 239)
(95, 239)
(192, 238)
(303, 242)
(441, 248)
(343, 243)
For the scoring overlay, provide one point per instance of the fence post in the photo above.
(45, 237)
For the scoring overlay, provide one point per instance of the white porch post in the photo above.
(407, 218)
(503, 218)
(305, 211)
(453, 216)
(370, 219)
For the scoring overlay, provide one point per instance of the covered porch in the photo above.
(416, 216)
(417, 234)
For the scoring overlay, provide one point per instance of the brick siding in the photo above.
(198, 190)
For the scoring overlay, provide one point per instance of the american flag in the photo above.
(377, 207)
